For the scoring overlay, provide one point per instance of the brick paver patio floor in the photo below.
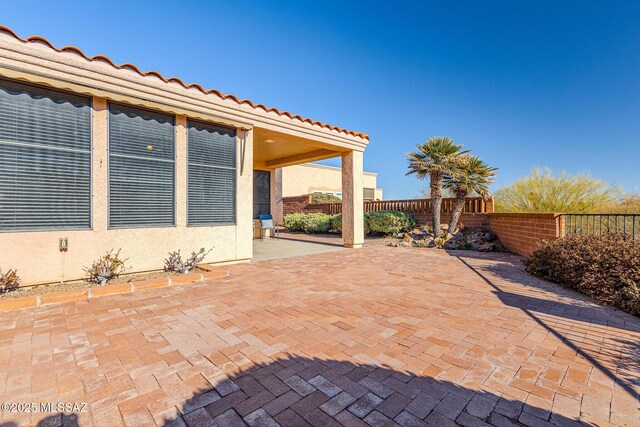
(377, 336)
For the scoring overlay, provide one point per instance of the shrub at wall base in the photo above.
(383, 222)
(389, 222)
(311, 223)
(106, 268)
(605, 268)
(175, 263)
(9, 281)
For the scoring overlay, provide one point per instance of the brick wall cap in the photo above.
(526, 214)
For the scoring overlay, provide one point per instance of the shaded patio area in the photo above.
(376, 336)
(293, 245)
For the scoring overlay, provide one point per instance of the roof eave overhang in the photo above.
(37, 62)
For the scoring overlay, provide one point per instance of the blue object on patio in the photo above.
(266, 223)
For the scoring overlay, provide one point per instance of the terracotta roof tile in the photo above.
(221, 95)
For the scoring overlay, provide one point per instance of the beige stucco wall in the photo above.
(307, 178)
(36, 255)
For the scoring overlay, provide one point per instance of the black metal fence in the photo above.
(599, 224)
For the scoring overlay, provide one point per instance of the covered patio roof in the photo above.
(274, 149)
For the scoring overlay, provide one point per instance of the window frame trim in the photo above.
(235, 178)
(175, 168)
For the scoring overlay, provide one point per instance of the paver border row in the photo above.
(71, 295)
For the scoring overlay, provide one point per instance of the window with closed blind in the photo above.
(369, 193)
(141, 168)
(45, 159)
(211, 174)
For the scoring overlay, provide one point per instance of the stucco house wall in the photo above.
(36, 255)
(308, 178)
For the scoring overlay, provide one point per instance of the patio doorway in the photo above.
(261, 193)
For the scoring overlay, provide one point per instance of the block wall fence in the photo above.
(523, 232)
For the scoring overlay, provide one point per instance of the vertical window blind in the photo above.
(45, 159)
(141, 168)
(211, 174)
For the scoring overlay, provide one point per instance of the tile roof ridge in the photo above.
(132, 67)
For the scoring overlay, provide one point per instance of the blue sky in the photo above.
(520, 83)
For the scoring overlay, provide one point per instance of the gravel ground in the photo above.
(380, 240)
(80, 284)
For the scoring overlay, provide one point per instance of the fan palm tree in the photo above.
(438, 157)
(472, 175)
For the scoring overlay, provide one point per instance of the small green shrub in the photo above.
(9, 281)
(292, 221)
(389, 222)
(324, 198)
(106, 268)
(606, 268)
(336, 223)
(310, 223)
(383, 222)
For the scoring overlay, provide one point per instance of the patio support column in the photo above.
(244, 195)
(352, 199)
(277, 206)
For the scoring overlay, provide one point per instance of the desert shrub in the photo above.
(542, 191)
(293, 222)
(606, 268)
(310, 223)
(301, 221)
(9, 281)
(336, 223)
(629, 204)
(389, 222)
(383, 222)
(324, 198)
(107, 267)
(175, 263)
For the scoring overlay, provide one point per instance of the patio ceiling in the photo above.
(273, 149)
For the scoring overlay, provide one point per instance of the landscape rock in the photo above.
(475, 239)
(469, 239)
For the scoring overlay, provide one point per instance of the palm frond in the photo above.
(471, 175)
(437, 156)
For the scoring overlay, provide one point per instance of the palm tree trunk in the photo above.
(436, 201)
(458, 207)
